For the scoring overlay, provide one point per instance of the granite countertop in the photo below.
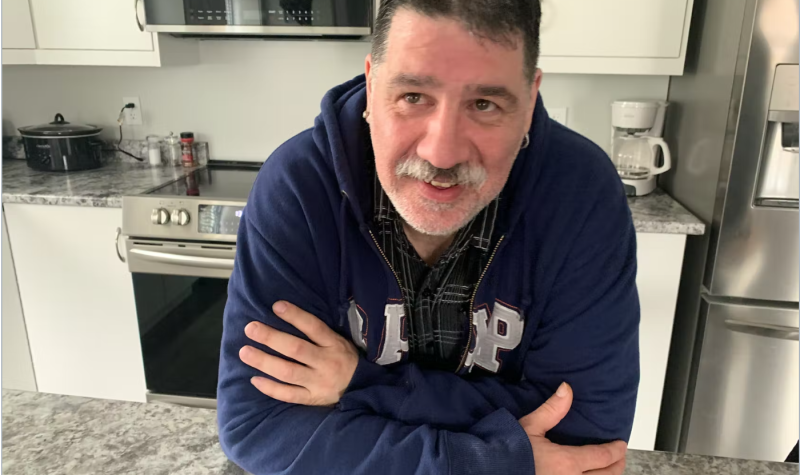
(654, 213)
(54, 435)
(101, 187)
(660, 213)
(60, 435)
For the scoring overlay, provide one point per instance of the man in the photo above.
(436, 278)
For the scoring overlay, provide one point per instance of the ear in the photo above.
(368, 70)
(535, 84)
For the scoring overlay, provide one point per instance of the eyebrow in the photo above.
(493, 91)
(485, 90)
(411, 80)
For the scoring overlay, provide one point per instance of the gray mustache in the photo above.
(463, 174)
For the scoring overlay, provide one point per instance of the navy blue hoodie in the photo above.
(557, 302)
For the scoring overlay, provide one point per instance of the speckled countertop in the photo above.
(60, 435)
(101, 187)
(55, 435)
(654, 213)
(660, 213)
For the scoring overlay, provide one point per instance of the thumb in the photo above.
(549, 414)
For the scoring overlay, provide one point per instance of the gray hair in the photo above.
(500, 21)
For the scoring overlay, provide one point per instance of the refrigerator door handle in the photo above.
(763, 329)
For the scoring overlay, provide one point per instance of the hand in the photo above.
(554, 459)
(327, 365)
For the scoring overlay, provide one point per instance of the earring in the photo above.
(526, 141)
(365, 115)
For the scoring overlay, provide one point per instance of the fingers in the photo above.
(598, 457)
(616, 469)
(284, 343)
(312, 327)
(549, 414)
(274, 366)
(281, 392)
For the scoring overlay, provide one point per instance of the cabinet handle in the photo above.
(763, 329)
(116, 246)
(136, 12)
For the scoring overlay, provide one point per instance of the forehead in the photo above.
(444, 49)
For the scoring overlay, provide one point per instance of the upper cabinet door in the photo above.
(89, 25)
(613, 28)
(615, 36)
(17, 25)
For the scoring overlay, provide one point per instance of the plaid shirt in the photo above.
(437, 298)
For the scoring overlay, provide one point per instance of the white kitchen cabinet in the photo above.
(78, 301)
(17, 365)
(18, 39)
(17, 25)
(660, 258)
(90, 33)
(89, 25)
(615, 36)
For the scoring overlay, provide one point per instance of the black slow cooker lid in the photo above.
(59, 128)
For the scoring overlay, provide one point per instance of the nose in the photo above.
(445, 143)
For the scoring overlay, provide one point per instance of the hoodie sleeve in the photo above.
(278, 259)
(588, 336)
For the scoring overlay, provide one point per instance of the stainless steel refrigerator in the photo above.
(732, 380)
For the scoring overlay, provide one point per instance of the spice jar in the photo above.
(173, 150)
(187, 156)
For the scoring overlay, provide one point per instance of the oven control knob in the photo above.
(180, 217)
(159, 216)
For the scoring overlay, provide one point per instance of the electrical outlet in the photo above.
(132, 116)
(558, 114)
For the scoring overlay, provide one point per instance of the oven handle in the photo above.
(192, 261)
(116, 246)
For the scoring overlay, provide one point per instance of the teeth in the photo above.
(439, 184)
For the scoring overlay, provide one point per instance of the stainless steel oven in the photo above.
(258, 17)
(180, 242)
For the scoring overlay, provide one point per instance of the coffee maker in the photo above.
(636, 139)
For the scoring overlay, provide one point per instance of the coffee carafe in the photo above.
(637, 149)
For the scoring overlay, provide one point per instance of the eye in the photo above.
(413, 98)
(485, 106)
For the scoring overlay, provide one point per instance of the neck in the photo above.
(429, 247)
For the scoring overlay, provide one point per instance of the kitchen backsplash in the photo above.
(247, 97)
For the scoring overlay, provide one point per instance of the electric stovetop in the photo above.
(222, 181)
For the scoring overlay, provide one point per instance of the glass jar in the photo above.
(154, 150)
(201, 153)
(173, 150)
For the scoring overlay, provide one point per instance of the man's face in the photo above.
(448, 113)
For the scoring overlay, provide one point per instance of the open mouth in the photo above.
(441, 185)
(440, 191)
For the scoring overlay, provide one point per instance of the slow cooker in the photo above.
(61, 146)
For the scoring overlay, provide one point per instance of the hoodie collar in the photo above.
(342, 136)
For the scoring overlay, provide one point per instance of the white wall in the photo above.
(247, 97)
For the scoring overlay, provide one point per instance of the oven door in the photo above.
(180, 291)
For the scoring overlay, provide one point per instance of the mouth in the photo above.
(439, 191)
(441, 185)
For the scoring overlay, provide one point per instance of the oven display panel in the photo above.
(217, 219)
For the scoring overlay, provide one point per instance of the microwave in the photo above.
(314, 18)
